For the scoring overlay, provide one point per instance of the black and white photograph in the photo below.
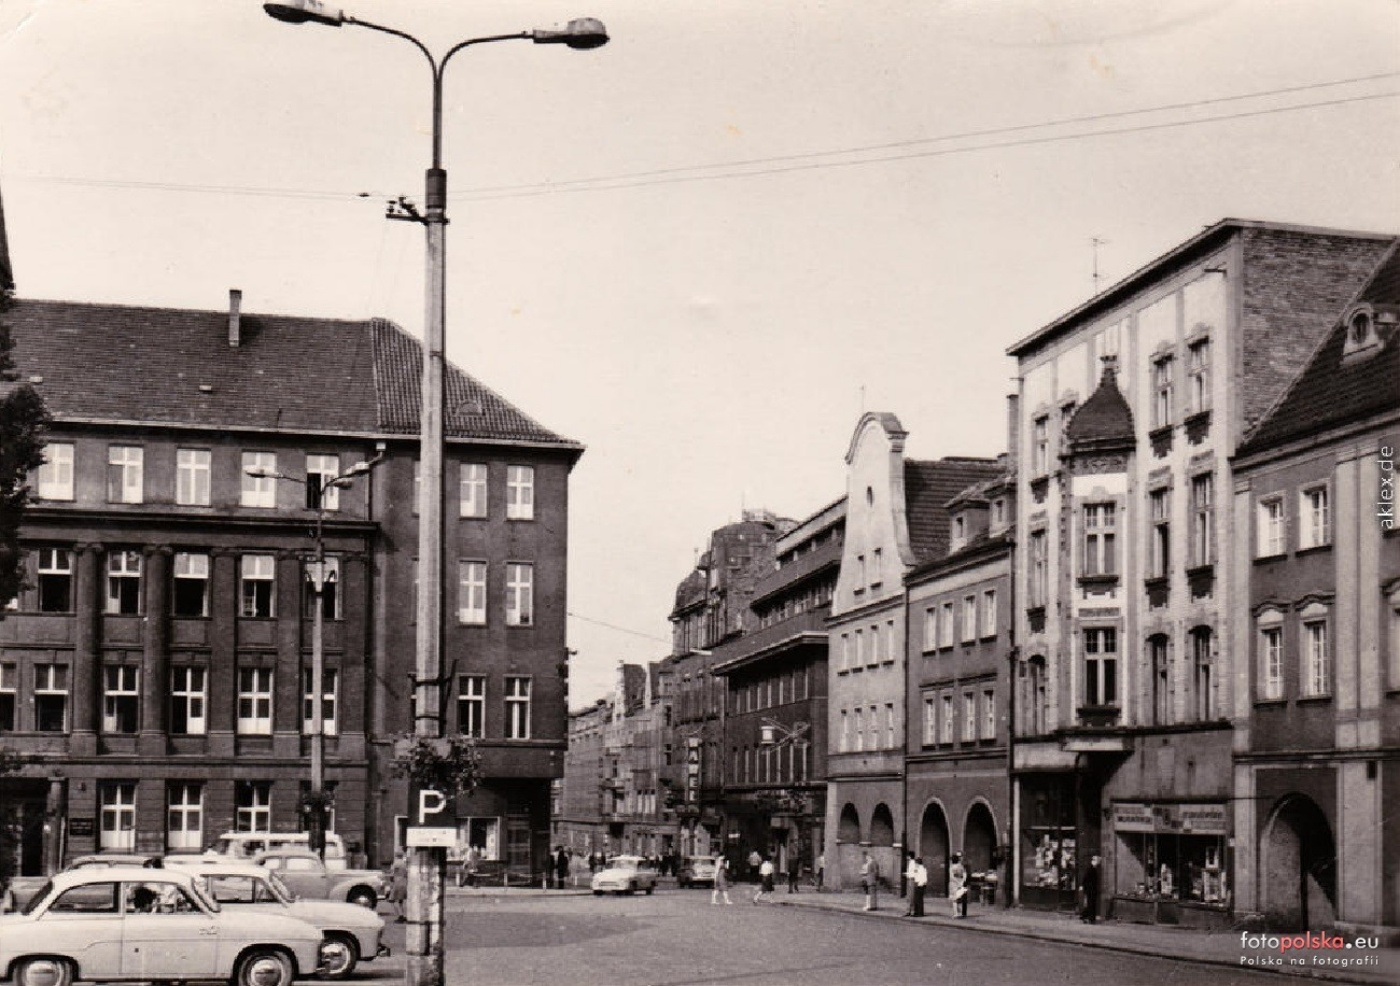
(699, 493)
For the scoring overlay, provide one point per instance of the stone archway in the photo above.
(847, 861)
(933, 848)
(979, 838)
(882, 826)
(1298, 867)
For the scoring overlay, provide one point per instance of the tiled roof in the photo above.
(176, 367)
(1104, 419)
(928, 486)
(1331, 391)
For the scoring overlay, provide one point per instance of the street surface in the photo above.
(676, 938)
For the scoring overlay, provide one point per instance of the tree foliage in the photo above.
(451, 764)
(23, 418)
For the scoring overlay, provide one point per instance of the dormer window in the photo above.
(1362, 336)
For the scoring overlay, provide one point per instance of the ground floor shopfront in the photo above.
(960, 806)
(784, 825)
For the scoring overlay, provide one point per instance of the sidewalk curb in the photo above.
(936, 921)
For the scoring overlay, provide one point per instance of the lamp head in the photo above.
(581, 33)
(767, 734)
(305, 11)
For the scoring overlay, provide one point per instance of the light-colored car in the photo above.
(351, 933)
(303, 871)
(625, 875)
(246, 845)
(123, 923)
(696, 870)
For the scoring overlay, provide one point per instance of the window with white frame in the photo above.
(184, 817)
(252, 806)
(1270, 528)
(889, 725)
(989, 613)
(117, 805)
(9, 697)
(517, 707)
(254, 701)
(946, 721)
(520, 594)
(1039, 587)
(930, 720)
(1314, 527)
(1100, 534)
(471, 489)
(1198, 375)
(1317, 662)
(1160, 562)
(192, 470)
(998, 512)
(55, 580)
(471, 592)
(330, 589)
(55, 479)
(930, 628)
(321, 472)
(959, 532)
(1162, 406)
(121, 699)
(1203, 669)
(330, 682)
(1040, 446)
(257, 586)
(259, 490)
(1270, 680)
(520, 492)
(969, 619)
(1100, 666)
(858, 714)
(1202, 519)
(188, 701)
(51, 698)
(123, 583)
(946, 628)
(969, 717)
(989, 714)
(471, 705)
(124, 473)
(190, 595)
(1159, 661)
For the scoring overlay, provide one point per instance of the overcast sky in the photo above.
(703, 249)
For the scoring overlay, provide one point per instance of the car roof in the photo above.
(114, 874)
(288, 851)
(217, 865)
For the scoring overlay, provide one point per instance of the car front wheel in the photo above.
(341, 954)
(264, 967)
(363, 896)
(43, 972)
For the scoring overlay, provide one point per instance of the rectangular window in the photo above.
(51, 698)
(1162, 407)
(117, 801)
(330, 589)
(520, 594)
(321, 472)
(190, 595)
(946, 721)
(989, 612)
(55, 481)
(255, 701)
(1271, 527)
(969, 619)
(1203, 662)
(859, 715)
(1317, 675)
(930, 628)
(471, 592)
(192, 468)
(520, 492)
(123, 583)
(55, 580)
(1040, 446)
(121, 699)
(184, 818)
(471, 490)
(1100, 552)
(257, 588)
(989, 714)
(9, 697)
(1161, 559)
(188, 700)
(970, 720)
(1314, 528)
(1202, 520)
(124, 473)
(517, 707)
(252, 802)
(930, 720)
(259, 485)
(1039, 589)
(1271, 663)
(1101, 667)
(1159, 659)
(946, 627)
(875, 645)
(471, 705)
(1198, 376)
(330, 682)
(845, 732)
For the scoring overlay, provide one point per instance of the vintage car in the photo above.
(303, 871)
(351, 933)
(245, 845)
(625, 875)
(123, 923)
(696, 870)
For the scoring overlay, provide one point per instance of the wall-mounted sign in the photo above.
(81, 827)
(1170, 819)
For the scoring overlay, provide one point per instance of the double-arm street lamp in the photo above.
(318, 575)
(425, 876)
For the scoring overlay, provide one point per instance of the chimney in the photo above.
(1013, 428)
(235, 306)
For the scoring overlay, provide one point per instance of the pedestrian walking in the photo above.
(870, 881)
(1089, 887)
(721, 881)
(821, 870)
(561, 868)
(918, 883)
(957, 886)
(398, 886)
(794, 871)
(909, 881)
(765, 879)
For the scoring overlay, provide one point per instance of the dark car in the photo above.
(696, 871)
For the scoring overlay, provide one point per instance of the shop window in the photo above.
(1171, 852)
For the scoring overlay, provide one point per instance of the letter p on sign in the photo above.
(431, 802)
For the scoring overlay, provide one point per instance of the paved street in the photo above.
(676, 937)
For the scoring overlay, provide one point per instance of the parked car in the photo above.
(246, 845)
(114, 859)
(123, 923)
(351, 933)
(303, 871)
(695, 871)
(625, 875)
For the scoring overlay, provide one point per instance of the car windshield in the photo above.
(44, 891)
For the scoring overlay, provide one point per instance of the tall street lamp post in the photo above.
(319, 486)
(428, 864)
